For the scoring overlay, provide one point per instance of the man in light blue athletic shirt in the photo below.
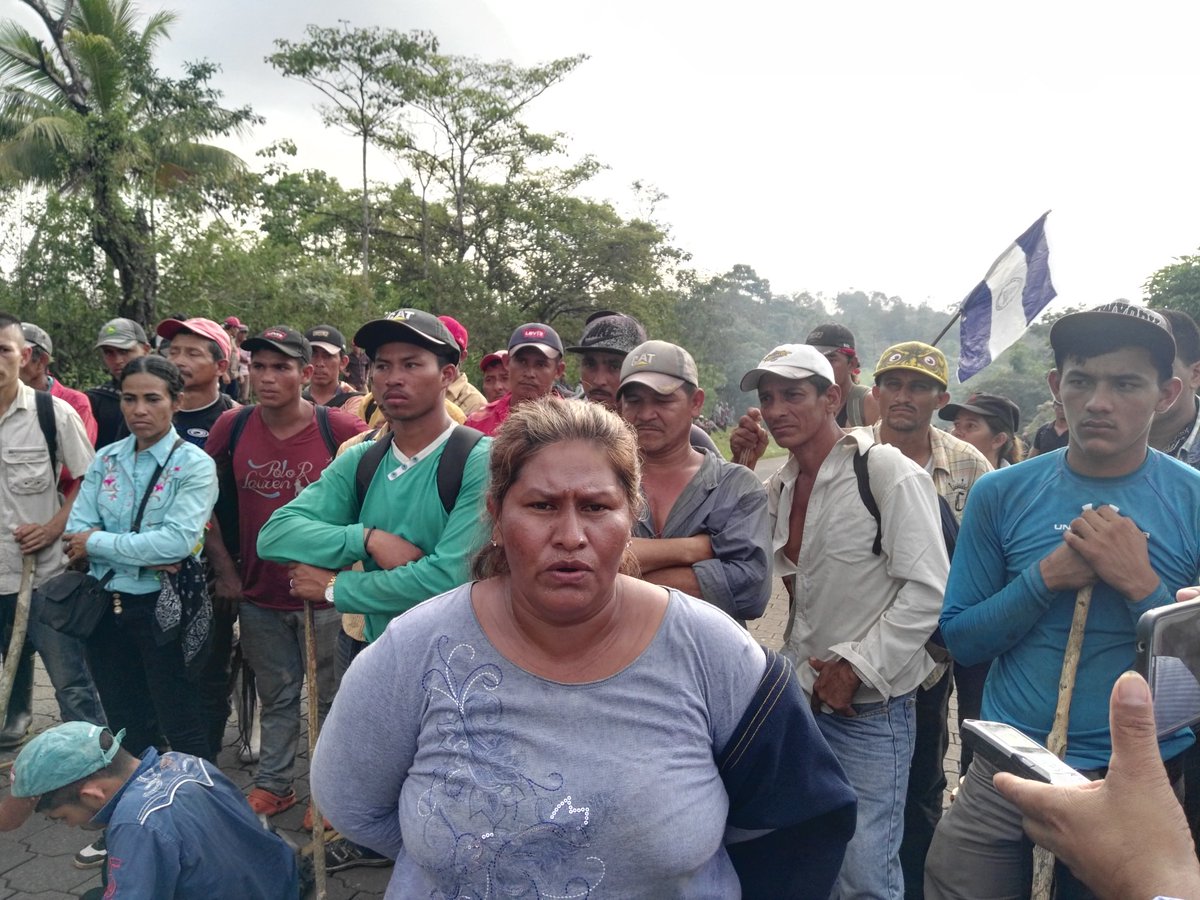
(1106, 512)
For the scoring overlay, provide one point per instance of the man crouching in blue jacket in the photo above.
(177, 827)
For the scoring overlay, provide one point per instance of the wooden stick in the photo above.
(1056, 743)
(314, 729)
(20, 624)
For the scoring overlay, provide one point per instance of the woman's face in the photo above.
(974, 429)
(147, 406)
(564, 525)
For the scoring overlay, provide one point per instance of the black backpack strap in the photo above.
(459, 445)
(368, 464)
(45, 415)
(451, 465)
(331, 443)
(238, 426)
(863, 473)
(340, 398)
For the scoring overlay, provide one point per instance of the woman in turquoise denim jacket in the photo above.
(137, 659)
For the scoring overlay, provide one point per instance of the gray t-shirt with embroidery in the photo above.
(483, 780)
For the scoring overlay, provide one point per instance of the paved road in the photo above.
(35, 860)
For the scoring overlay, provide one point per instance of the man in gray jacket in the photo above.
(705, 529)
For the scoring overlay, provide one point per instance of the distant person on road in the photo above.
(329, 362)
(120, 340)
(989, 423)
(704, 529)
(1052, 435)
(462, 393)
(606, 340)
(535, 362)
(494, 367)
(36, 374)
(859, 406)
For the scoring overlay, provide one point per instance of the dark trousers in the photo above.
(214, 682)
(926, 783)
(141, 681)
(968, 680)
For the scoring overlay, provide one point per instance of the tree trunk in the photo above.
(366, 219)
(125, 238)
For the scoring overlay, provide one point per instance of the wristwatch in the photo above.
(329, 588)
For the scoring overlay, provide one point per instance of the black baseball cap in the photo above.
(830, 337)
(327, 338)
(535, 334)
(1143, 327)
(611, 331)
(991, 405)
(409, 326)
(285, 340)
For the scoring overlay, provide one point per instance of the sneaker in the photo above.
(266, 803)
(94, 854)
(308, 820)
(345, 854)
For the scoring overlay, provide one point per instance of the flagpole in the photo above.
(941, 334)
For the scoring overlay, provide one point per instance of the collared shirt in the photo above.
(180, 503)
(180, 829)
(28, 486)
(489, 418)
(876, 612)
(1189, 450)
(726, 502)
(406, 462)
(956, 466)
(465, 394)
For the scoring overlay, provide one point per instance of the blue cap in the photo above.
(56, 757)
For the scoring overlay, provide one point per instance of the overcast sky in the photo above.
(885, 146)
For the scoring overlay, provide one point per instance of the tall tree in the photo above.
(83, 109)
(366, 74)
(1176, 286)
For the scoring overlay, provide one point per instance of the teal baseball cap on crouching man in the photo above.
(55, 758)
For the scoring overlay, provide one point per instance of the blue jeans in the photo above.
(65, 662)
(273, 643)
(875, 748)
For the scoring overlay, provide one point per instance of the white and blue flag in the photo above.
(1016, 288)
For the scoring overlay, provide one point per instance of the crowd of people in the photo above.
(528, 605)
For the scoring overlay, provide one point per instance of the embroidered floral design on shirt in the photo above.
(511, 835)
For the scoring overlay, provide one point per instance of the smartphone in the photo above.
(1168, 657)
(1010, 750)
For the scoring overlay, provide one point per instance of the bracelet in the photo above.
(367, 539)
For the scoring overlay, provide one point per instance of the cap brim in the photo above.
(386, 331)
(827, 348)
(15, 811)
(545, 349)
(263, 344)
(794, 373)
(331, 349)
(601, 348)
(117, 345)
(656, 381)
(490, 360)
(1091, 325)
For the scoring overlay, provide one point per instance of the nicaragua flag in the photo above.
(1016, 288)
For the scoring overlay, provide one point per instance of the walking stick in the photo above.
(1056, 743)
(314, 727)
(20, 624)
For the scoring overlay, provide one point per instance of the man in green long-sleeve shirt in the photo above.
(410, 546)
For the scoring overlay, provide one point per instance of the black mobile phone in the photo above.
(1168, 657)
(1011, 750)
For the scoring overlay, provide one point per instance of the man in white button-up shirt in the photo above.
(859, 618)
(33, 514)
